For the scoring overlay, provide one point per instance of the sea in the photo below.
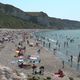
(66, 43)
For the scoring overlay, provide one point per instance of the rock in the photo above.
(9, 74)
(3, 78)
(23, 76)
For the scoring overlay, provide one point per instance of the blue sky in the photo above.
(65, 9)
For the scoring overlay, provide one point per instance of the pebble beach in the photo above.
(50, 61)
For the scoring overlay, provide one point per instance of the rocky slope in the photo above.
(9, 74)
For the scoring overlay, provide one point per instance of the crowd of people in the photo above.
(21, 40)
(61, 45)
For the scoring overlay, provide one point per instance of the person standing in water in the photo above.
(49, 45)
(63, 64)
(54, 51)
(71, 59)
(78, 61)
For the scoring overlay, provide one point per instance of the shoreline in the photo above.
(51, 62)
(59, 53)
(69, 68)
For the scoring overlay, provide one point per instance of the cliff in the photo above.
(12, 17)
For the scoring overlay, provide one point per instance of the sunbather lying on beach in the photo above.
(60, 73)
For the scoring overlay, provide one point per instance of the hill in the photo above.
(12, 17)
(8, 21)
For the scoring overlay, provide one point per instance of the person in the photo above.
(71, 60)
(64, 44)
(28, 42)
(57, 42)
(78, 61)
(37, 70)
(37, 44)
(59, 46)
(49, 45)
(38, 51)
(41, 70)
(43, 43)
(34, 67)
(20, 63)
(20, 53)
(63, 64)
(78, 58)
(60, 73)
(54, 50)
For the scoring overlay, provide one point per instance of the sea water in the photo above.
(67, 43)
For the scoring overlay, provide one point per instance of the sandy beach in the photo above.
(50, 61)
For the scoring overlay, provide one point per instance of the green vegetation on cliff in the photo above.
(12, 17)
(8, 21)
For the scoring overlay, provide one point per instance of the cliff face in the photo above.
(39, 18)
(32, 19)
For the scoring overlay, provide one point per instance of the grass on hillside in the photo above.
(8, 21)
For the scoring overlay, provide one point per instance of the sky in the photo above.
(64, 9)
